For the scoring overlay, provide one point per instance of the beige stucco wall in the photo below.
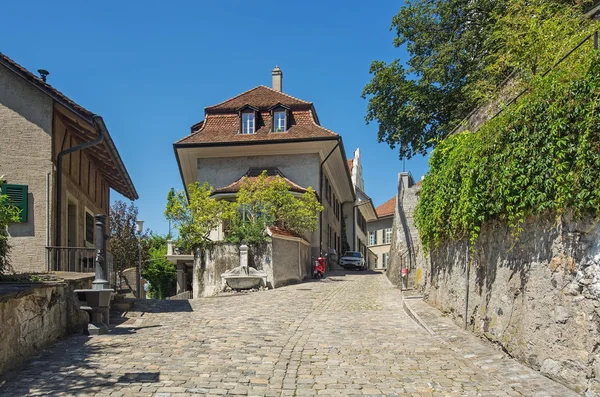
(302, 169)
(25, 158)
(380, 248)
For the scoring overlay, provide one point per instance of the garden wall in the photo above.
(34, 316)
(537, 297)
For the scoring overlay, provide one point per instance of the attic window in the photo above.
(279, 121)
(248, 123)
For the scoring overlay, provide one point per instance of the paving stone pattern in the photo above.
(345, 335)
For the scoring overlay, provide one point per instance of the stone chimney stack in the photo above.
(277, 75)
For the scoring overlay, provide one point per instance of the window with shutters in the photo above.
(17, 196)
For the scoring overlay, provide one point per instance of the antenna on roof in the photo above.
(43, 74)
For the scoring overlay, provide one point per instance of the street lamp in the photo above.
(139, 228)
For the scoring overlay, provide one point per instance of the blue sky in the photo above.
(150, 68)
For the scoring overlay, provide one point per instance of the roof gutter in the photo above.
(99, 123)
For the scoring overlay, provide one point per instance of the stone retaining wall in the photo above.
(537, 297)
(34, 316)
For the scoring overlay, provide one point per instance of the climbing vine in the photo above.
(540, 155)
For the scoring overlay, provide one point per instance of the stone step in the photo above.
(122, 305)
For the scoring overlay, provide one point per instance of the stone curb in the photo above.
(412, 314)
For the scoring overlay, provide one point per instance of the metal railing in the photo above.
(71, 259)
(78, 259)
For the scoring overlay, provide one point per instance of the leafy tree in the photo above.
(8, 214)
(123, 237)
(197, 217)
(160, 273)
(267, 201)
(459, 52)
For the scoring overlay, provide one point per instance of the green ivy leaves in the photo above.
(542, 154)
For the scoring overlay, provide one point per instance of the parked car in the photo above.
(352, 260)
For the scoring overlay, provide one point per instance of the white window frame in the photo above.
(277, 121)
(249, 124)
(387, 236)
(384, 260)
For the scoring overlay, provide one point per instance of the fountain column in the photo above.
(244, 258)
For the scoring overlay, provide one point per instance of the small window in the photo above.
(247, 123)
(279, 122)
(89, 227)
(384, 260)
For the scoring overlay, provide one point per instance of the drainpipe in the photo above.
(321, 194)
(101, 128)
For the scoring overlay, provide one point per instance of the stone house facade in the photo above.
(59, 162)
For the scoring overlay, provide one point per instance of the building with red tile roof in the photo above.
(265, 128)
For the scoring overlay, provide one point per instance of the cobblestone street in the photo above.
(345, 335)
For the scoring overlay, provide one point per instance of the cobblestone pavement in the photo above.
(345, 335)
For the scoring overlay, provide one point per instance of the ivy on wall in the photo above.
(541, 154)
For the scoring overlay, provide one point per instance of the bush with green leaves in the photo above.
(541, 155)
(459, 52)
(267, 201)
(195, 218)
(8, 214)
(158, 271)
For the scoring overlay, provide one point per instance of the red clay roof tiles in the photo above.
(260, 97)
(387, 208)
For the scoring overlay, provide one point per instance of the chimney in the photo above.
(43, 74)
(277, 75)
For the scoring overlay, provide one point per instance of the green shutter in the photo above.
(17, 196)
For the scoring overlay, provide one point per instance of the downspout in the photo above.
(101, 128)
(321, 195)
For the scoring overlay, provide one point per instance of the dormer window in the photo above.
(248, 120)
(280, 114)
(279, 121)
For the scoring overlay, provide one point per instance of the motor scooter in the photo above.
(318, 268)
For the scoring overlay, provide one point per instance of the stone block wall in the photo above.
(406, 250)
(538, 297)
(34, 316)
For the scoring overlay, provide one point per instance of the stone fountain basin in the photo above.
(242, 282)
